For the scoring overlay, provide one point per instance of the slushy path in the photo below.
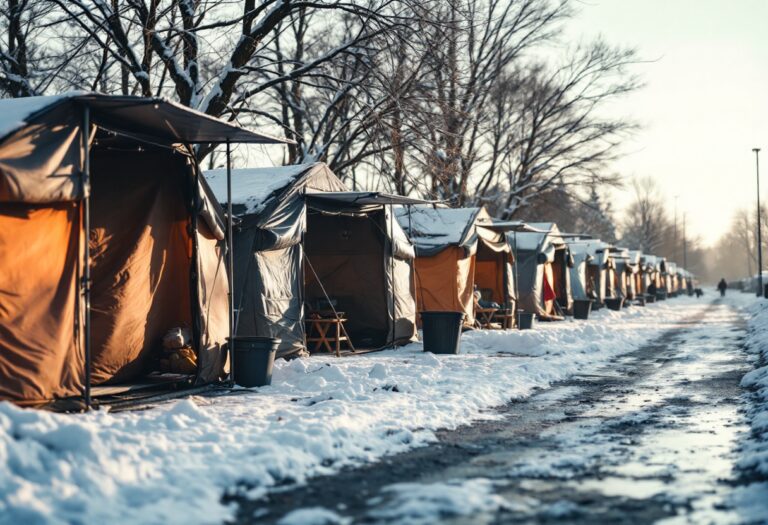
(652, 437)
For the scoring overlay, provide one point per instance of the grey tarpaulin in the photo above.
(592, 265)
(294, 216)
(542, 257)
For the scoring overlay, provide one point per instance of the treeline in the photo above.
(471, 101)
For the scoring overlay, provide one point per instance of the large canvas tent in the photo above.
(455, 254)
(107, 240)
(593, 266)
(626, 268)
(654, 270)
(302, 235)
(638, 282)
(671, 279)
(544, 281)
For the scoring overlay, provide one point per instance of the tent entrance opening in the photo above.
(347, 256)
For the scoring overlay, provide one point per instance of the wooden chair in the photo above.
(326, 330)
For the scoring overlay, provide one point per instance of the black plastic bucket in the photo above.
(661, 296)
(525, 320)
(441, 331)
(614, 304)
(581, 309)
(650, 298)
(254, 359)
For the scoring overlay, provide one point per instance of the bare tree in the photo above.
(554, 131)
(646, 225)
(30, 60)
(211, 56)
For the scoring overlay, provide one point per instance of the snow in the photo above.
(17, 111)
(172, 464)
(435, 226)
(252, 186)
(756, 458)
(424, 504)
(582, 248)
(313, 516)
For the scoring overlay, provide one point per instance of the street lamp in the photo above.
(674, 243)
(759, 233)
(685, 244)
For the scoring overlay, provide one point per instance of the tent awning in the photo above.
(511, 226)
(364, 198)
(155, 119)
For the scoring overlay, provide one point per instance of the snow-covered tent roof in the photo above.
(433, 229)
(626, 260)
(653, 263)
(251, 187)
(593, 251)
(547, 238)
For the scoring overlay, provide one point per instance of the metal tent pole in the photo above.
(230, 267)
(759, 232)
(392, 268)
(86, 279)
(517, 288)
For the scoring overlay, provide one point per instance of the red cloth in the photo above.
(549, 292)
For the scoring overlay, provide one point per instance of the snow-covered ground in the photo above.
(173, 463)
(755, 457)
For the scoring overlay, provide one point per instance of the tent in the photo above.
(593, 265)
(672, 279)
(107, 240)
(638, 282)
(689, 281)
(627, 266)
(544, 280)
(301, 236)
(454, 254)
(654, 270)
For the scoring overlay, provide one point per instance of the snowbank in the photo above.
(755, 457)
(172, 464)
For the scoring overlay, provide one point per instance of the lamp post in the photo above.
(674, 243)
(685, 245)
(759, 232)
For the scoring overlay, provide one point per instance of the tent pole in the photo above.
(86, 280)
(517, 289)
(392, 268)
(230, 268)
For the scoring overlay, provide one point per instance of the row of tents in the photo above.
(111, 235)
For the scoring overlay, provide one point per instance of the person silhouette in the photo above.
(722, 286)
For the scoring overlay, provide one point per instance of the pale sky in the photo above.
(705, 104)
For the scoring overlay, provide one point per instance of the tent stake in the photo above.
(230, 269)
(86, 282)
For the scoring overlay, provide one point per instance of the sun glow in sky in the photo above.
(705, 103)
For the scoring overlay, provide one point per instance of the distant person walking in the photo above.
(722, 286)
